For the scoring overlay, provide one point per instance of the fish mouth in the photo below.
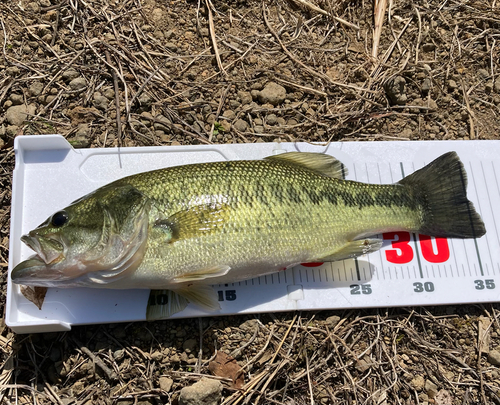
(34, 271)
(40, 269)
(48, 249)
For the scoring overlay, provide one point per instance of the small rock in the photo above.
(171, 46)
(17, 114)
(12, 71)
(418, 383)
(70, 74)
(250, 325)
(145, 100)
(254, 94)
(245, 97)
(240, 125)
(78, 84)
(272, 119)
(430, 388)
(35, 89)
(272, 93)
(2, 143)
(406, 133)
(395, 90)
(109, 94)
(494, 357)
(166, 384)
(175, 358)
(229, 114)
(16, 99)
(226, 125)
(426, 85)
(190, 345)
(332, 321)
(12, 131)
(496, 85)
(101, 102)
(206, 392)
(429, 47)
(452, 85)
(483, 74)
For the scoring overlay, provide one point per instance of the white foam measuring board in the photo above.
(408, 270)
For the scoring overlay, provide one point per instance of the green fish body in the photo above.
(186, 227)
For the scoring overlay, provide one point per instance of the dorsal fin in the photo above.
(318, 162)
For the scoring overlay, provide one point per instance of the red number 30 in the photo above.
(402, 252)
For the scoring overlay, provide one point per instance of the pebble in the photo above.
(396, 90)
(70, 74)
(240, 125)
(12, 71)
(35, 89)
(430, 388)
(429, 47)
(332, 321)
(190, 345)
(418, 383)
(100, 102)
(272, 119)
(245, 97)
(16, 99)
(229, 114)
(452, 84)
(494, 357)
(166, 383)
(17, 114)
(483, 74)
(78, 84)
(272, 93)
(496, 85)
(426, 85)
(206, 392)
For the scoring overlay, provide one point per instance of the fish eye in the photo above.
(59, 219)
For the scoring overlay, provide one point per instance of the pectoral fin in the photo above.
(352, 249)
(215, 271)
(193, 222)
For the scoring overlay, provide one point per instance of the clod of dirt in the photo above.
(17, 114)
(205, 391)
(395, 90)
(240, 125)
(81, 139)
(272, 93)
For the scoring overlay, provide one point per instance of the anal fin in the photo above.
(352, 249)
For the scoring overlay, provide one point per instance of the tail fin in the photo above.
(441, 187)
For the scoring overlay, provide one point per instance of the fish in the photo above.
(184, 228)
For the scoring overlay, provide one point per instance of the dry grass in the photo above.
(158, 73)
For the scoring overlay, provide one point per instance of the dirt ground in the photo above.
(148, 72)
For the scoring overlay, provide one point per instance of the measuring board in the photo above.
(410, 269)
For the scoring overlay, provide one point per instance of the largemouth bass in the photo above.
(186, 227)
